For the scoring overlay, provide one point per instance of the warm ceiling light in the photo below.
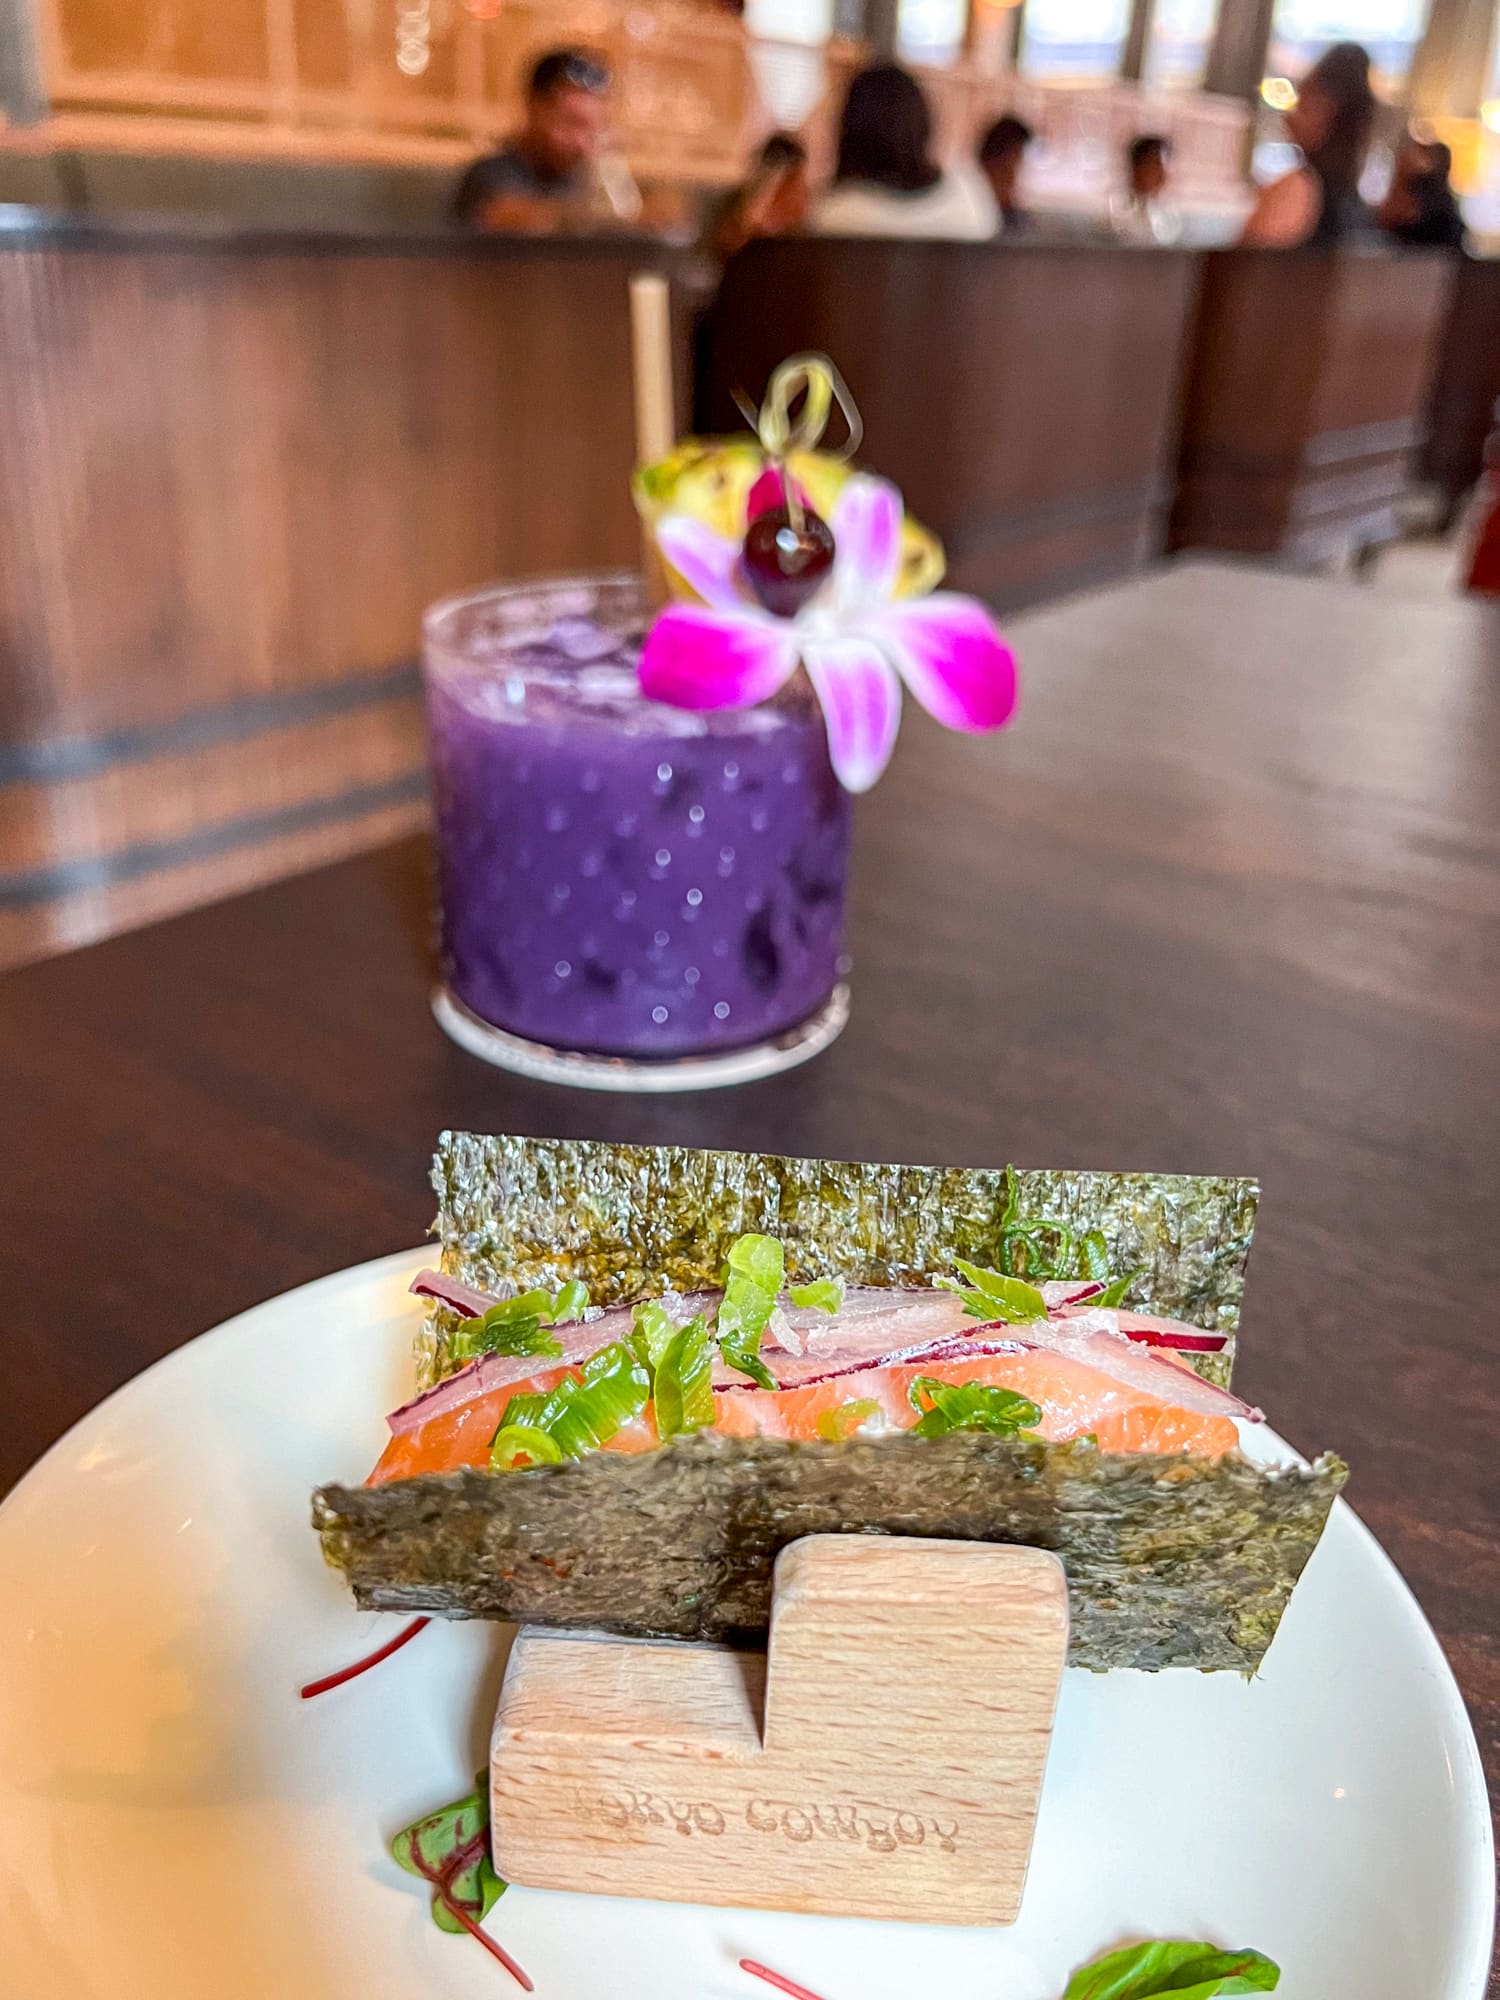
(1279, 92)
(1489, 111)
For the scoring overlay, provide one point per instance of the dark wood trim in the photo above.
(234, 469)
(62, 757)
(105, 871)
(1081, 510)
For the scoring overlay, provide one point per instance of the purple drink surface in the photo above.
(621, 877)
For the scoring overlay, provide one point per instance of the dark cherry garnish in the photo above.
(786, 561)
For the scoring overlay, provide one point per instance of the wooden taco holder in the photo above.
(883, 1758)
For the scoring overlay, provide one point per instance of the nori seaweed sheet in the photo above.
(631, 1221)
(1171, 1562)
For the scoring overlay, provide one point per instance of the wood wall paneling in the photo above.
(231, 477)
(1024, 399)
(684, 100)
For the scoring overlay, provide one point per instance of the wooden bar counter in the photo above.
(233, 470)
(1306, 389)
(1461, 411)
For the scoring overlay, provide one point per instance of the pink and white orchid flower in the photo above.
(856, 638)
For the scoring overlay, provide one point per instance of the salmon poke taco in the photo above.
(644, 1371)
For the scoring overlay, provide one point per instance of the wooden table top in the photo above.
(1227, 899)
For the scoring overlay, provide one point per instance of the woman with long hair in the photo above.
(1318, 204)
(886, 182)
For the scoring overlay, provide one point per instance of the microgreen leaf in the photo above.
(451, 1850)
(969, 1406)
(1114, 1292)
(822, 1295)
(684, 1387)
(1173, 1969)
(839, 1425)
(994, 1296)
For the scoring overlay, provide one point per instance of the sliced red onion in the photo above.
(466, 1299)
(952, 1347)
(1070, 1291)
(495, 1371)
(1095, 1338)
(866, 1334)
(1153, 1331)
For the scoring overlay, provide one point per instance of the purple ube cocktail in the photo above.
(617, 876)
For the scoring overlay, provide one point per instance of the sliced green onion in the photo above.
(753, 1276)
(684, 1386)
(822, 1295)
(525, 1409)
(652, 1328)
(571, 1302)
(761, 1259)
(512, 1327)
(580, 1416)
(517, 1443)
(969, 1406)
(839, 1425)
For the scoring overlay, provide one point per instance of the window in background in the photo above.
(809, 21)
(1177, 53)
(786, 55)
(931, 31)
(1389, 29)
(1082, 38)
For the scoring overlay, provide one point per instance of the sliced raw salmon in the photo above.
(1075, 1399)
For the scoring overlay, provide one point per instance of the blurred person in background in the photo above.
(1144, 213)
(557, 171)
(1002, 154)
(774, 201)
(1318, 204)
(1420, 207)
(887, 182)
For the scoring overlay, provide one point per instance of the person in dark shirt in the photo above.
(773, 202)
(1002, 152)
(1421, 207)
(555, 166)
(1318, 205)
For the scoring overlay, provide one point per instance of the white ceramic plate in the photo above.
(175, 1823)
